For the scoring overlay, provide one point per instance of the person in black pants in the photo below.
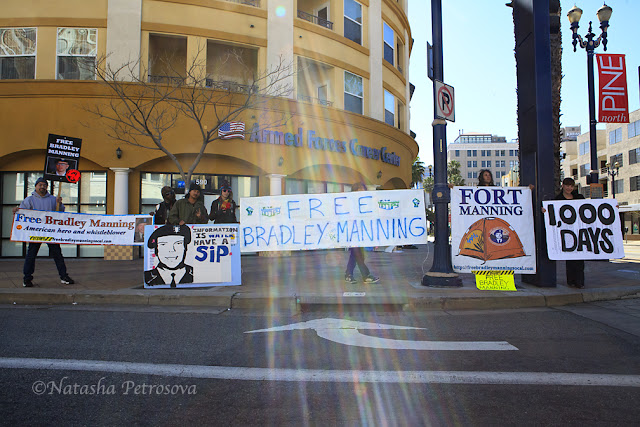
(575, 268)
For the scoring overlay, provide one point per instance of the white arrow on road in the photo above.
(347, 332)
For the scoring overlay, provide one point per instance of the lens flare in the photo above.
(280, 11)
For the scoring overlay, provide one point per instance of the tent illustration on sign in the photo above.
(489, 239)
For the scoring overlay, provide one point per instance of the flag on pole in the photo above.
(230, 130)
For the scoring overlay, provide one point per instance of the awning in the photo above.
(629, 208)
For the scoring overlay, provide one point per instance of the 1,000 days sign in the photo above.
(583, 229)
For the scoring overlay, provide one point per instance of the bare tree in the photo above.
(143, 108)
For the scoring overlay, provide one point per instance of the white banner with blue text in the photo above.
(492, 229)
(583, 229)
(334, 220)
(190, 256)
(78, 228)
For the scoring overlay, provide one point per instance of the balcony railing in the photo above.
(254, 3)
(231, 86)
(168, 80)
(312, 100)
(315, 19)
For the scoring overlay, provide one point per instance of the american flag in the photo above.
(230, 130)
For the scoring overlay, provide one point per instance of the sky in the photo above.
(479, 62)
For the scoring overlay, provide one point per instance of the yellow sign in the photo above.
(495, 280)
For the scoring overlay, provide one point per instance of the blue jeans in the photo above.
(30, 260)
(356, 256)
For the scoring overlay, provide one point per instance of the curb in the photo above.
(294, 304)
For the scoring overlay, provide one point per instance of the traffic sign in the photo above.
(445, 102)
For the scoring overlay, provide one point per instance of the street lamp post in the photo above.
(574, 15)
(612, 172)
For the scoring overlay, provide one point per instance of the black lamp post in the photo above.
(612, 172)
(574, 15)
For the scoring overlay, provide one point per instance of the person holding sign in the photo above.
(356, 256)
(223, 209)
(485, 178)
(189, 210)
(161, 214)
(575, 268)
(41, 200)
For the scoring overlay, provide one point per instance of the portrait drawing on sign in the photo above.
(170, 244)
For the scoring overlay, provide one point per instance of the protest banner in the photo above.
(334, 220)
(583, 229)
(63, 157)
(495, 280)
(76, 228)
(492, 229)
(189, 256)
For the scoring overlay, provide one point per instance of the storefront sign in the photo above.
(492, 229)
(334, 220)
(188, 256)
(77, 228)
(63, 157)
(313, 141)
(583, 229)
(614, 102)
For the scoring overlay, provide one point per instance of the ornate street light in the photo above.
(574, 15)
(612, 172)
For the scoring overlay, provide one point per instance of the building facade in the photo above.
(347, 113)
(476, 151)
(619, 163)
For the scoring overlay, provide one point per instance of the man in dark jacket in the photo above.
(41, 200)
(161, 215)
(223, 209)
(575, 268)
(189, 210)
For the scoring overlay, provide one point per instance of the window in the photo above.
(388, 37)
(353, 94)
(353, 21)
(633, 129)
(616, 158)
(634, 156)
(468, 153)
(389, 108)
(634, 183)
(584, 148)
(618, 186)
(457, 153)
(469, 175)
(512, 164)
(503, 164)
(584, 169)
(511, 153)
(615, 136)
(486, 163)
(76, 53)
(475, 175)
(17, 53)
(475, 163)
(474, 153)
(468, 163)
(499, 174)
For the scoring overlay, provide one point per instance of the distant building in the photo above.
(476, 151)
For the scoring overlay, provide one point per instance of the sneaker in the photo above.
(371, 279)
(349, 279)
(66, 280)
(27, 283)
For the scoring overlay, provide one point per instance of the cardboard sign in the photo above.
(614, 102)
(492, 229)
(63, 156)
(189, 256)
(334, 220)
(583, 229)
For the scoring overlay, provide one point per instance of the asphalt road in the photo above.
(579, 365)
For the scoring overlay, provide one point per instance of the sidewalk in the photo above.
(314, 280)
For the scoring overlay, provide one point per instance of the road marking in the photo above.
(347, 332)
(315, 375)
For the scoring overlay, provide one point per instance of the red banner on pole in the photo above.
(614, 102)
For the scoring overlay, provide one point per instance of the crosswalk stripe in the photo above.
(316, 375)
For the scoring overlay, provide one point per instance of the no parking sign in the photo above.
(445, 102)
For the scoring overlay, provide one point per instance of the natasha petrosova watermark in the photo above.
(65, 386)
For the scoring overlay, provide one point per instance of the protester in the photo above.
(575, 268)
(161, 214)
(189, 210)
(485, 178)
(41, 200)
(223, 209)
(356, 256)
